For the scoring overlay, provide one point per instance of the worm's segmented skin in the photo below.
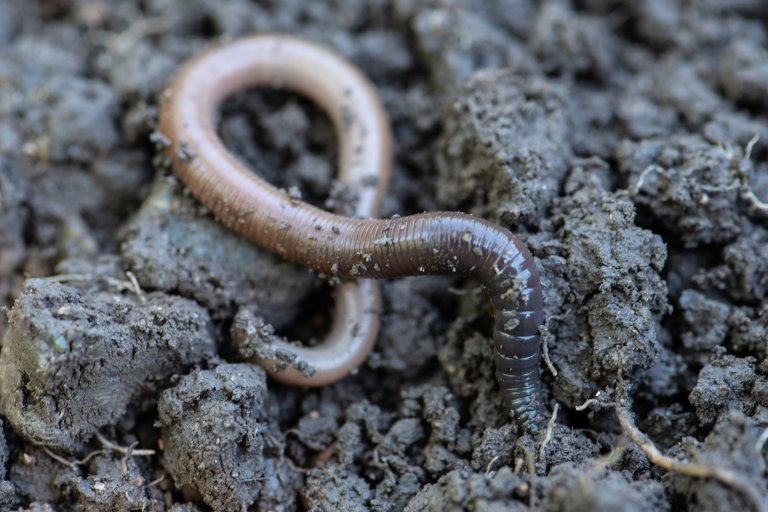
(427, 243)
(445, 243)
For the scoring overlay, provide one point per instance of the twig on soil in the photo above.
(750, 146)
(71, 464)
(548, 434)
(124, 286)
(127, 451)
(746, 190)
(725, 476)
(322, 457)
(531, 471)
(527, 460)
(491, 463)
(728, 477)
(547, 360)
(587, 403)
(65, 278)
(131, 285)
(610, 458)
(518, 466)
(135, 286)
(58, 458)
(298, 469)
(756, 203)
(156, 481)
(544, 331)
(641, 180)
(594, 401)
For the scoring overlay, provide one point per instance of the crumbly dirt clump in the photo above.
(75, 360)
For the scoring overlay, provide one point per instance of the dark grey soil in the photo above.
(627, 143)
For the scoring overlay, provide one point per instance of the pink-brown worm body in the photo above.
(347, 247)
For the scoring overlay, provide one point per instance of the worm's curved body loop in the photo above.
(428, 243)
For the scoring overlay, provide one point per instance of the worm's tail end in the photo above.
(523, 396)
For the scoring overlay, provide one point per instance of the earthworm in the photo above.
(447, 243)
(187, 113)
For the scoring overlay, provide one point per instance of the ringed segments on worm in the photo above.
(360, 247)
